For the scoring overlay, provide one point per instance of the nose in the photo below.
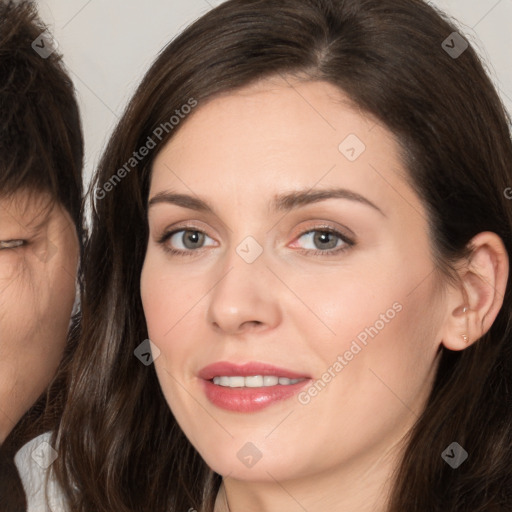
(245, 298)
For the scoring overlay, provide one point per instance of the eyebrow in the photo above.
(280, 203)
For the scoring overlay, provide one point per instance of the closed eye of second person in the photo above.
(11, 244)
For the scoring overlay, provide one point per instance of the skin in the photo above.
(37, 292)
(296, 310)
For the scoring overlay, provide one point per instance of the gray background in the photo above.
(109, 44)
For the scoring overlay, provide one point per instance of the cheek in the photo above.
(12, 269)
(376, 334)
(168, 305)
(388, 354)
(53, 288)
(157, 302)
(171, 305)
(19, 301)
(35, 314)
(168, 296)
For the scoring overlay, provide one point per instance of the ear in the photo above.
(473, 306)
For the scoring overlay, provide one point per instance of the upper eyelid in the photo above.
(325, 227)
(172, 232)
(198, 226)
(168, 231)
(346, 238)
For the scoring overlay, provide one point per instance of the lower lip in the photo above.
(250, 399)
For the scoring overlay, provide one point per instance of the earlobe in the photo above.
(483, 281)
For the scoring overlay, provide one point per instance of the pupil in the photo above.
(323, 238)
(194, 237)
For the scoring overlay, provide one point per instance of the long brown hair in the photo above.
(120, 446)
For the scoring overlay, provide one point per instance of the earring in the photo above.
(464, 336)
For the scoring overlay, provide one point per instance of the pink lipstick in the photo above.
(249, 387)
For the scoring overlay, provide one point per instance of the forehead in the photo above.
(30, 208)
(277, 135)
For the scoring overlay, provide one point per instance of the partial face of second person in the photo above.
(38, 263)
(252, 283)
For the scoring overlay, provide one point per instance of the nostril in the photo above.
(254, 322)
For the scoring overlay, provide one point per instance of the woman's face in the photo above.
(302, 254)
(38, 263)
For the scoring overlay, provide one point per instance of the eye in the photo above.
(187, 241)
(11, 244)
(325, 241)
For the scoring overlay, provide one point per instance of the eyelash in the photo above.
(321, 229)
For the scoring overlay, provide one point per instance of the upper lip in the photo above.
(225, 368)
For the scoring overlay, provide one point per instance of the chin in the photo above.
(243, 460)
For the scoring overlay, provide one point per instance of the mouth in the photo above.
(249, 387)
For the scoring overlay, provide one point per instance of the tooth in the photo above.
(237, 382)
(270, 380)
(252, 381)
(255, 381)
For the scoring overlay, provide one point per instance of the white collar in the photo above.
(33, 461)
